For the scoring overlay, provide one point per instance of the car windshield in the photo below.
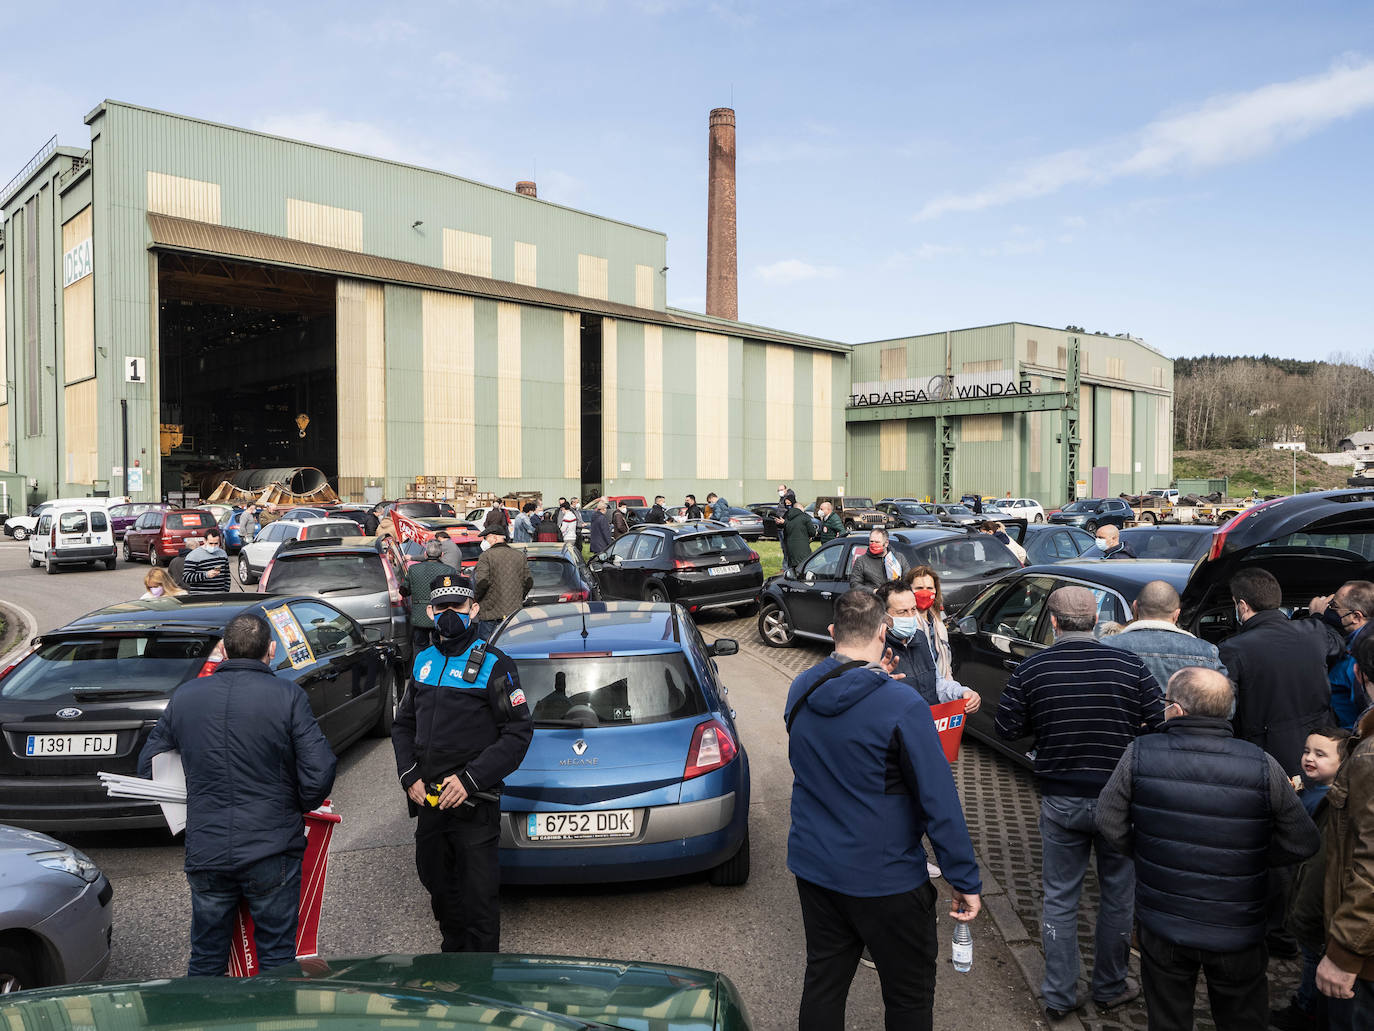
(858, 502)
(551, 572)
(616, 690)
(706, 545)
(188, 521)
(72, 522)
(958, 510)
(110, 664)
(418, 509)
(967, 559)
(305, 573)
(911, 510)
(1151, 543)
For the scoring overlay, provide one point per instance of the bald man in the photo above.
(1154, 635)
(1109, 542)
(1204, 816)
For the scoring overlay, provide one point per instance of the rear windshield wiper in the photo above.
(345, 587)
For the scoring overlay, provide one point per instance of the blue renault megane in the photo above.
(636, 769)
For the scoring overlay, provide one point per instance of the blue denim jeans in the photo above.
(1307, 995)
(272, 887)
(1068, 836)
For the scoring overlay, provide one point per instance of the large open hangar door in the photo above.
(245, 351)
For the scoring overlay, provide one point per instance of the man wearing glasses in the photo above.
(1204, 817)
(1348, 612)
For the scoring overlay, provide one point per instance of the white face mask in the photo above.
(1100, 543)
(486, 545)
(781, 493)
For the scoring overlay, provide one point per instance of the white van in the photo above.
(23, 527)
(67, 535)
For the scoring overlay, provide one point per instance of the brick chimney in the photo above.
(526, 188)
(722, 276)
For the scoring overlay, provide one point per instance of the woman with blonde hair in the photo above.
(158, 583)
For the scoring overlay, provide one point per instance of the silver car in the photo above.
(55, 913)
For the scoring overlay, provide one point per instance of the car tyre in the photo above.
(17, 971)
(53, 567)
(775, 627)
(391, 701)
(1090, 526)
(735, 870)
(654, 593)
(110, 562)
(245, 571)
(1148, 518)
(128, 555)
(34, 563)
(20, 534)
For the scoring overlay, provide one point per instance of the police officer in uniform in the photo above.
(462, 727)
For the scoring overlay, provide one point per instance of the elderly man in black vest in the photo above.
(1204, 816)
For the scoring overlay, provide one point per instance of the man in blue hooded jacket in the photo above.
(869, 779)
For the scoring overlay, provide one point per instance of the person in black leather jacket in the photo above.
(245, 831)
(462, 727)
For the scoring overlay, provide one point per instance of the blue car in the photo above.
(636, 769)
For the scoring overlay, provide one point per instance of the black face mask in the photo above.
(451, 622)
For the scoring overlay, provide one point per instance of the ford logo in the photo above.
(68, 714)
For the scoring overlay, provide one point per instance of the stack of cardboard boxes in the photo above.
(460, 491)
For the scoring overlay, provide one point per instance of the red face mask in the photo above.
(875, 549)
(925, 598)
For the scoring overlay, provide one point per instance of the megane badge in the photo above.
(579, 746)
(68, 714)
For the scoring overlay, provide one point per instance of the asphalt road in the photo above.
(374, 902)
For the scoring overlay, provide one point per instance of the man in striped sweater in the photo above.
(207, 568)
(1084, 703)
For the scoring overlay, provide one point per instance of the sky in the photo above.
(1196, 174)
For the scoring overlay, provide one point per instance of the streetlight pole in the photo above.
(1295, 470)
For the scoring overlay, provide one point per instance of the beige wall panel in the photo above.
(779, 413)
(324, 225)
(991, 365)
(79, 438)
(1035, 426)
(892, 363)
(980, 428)
(593, 276)
(1122, 431)
(78, 308)
(653, 402)
(1086, 458)
(184, 198)
(526, 264)
(362, 383)
(450, 349)
(610, 402)
(713, 407)
(892, 446)
(1164, 433)
(469, 253)
(822, 415)
(509, 431)
(644, 286)
(572, 396)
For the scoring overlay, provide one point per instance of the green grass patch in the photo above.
(770, 553)
(1262, 469)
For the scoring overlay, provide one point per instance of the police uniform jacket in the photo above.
(446, 725)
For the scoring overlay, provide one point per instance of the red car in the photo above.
(159, 537)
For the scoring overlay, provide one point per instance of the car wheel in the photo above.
(128, 555)
(775, 627)
(1039, 519)
(245, 570)
(16, 970)
(110, 562)
(735, 870)
(849, 524)
(20, 534)
(655, 593)
(33, 562)
(391, 700)
(1148, 518)
(1090, 526)
(53, 567)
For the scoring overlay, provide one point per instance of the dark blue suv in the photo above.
(636, 769)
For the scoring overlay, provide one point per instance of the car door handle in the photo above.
(1010, 664)
(333, 674)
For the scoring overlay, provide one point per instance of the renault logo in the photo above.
(579, 746)
(68, 714)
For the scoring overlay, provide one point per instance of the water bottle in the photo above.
(961, 948)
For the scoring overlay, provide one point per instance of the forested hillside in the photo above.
(1228, 402)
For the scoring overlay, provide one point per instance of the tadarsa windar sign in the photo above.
(959, 387)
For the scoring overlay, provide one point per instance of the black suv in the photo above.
(799, 603)
(698, 564)
(1090, 513)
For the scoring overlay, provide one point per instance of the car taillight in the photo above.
(712, 748)
(1219, 535)
(212, 662)
(574, 596)
(682, 563)
(753, 555)
(52, 537)
(736, 521)
(6, 671)
(262, 582)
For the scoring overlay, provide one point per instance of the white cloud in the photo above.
(793, 270)
(470, 79)
(1225, 129)
(382, 30)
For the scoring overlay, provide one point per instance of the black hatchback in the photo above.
(698, 564)
(559, 574)
(799, 603)
(84, 699)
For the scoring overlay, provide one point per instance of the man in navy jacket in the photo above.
(255, 762)
(869, 779)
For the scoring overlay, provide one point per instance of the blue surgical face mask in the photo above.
(451, 622)
(1100, 543)
(904, 626)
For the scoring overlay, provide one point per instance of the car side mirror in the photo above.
(373, 635)
(809, 576)
(723, 646)
(968, 626)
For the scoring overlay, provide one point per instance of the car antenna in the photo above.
(585, 635)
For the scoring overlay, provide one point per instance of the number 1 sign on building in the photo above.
(134, 370)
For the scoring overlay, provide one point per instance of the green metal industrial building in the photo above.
(184, 297)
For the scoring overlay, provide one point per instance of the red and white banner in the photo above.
(410, 530)
(949, 724)
(319, 828)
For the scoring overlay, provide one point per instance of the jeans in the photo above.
(272, 887)
(1355, 1014)
(1307, 995)
(457, 859)
(899, 931)
(1068, 836)
(1237, 986)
